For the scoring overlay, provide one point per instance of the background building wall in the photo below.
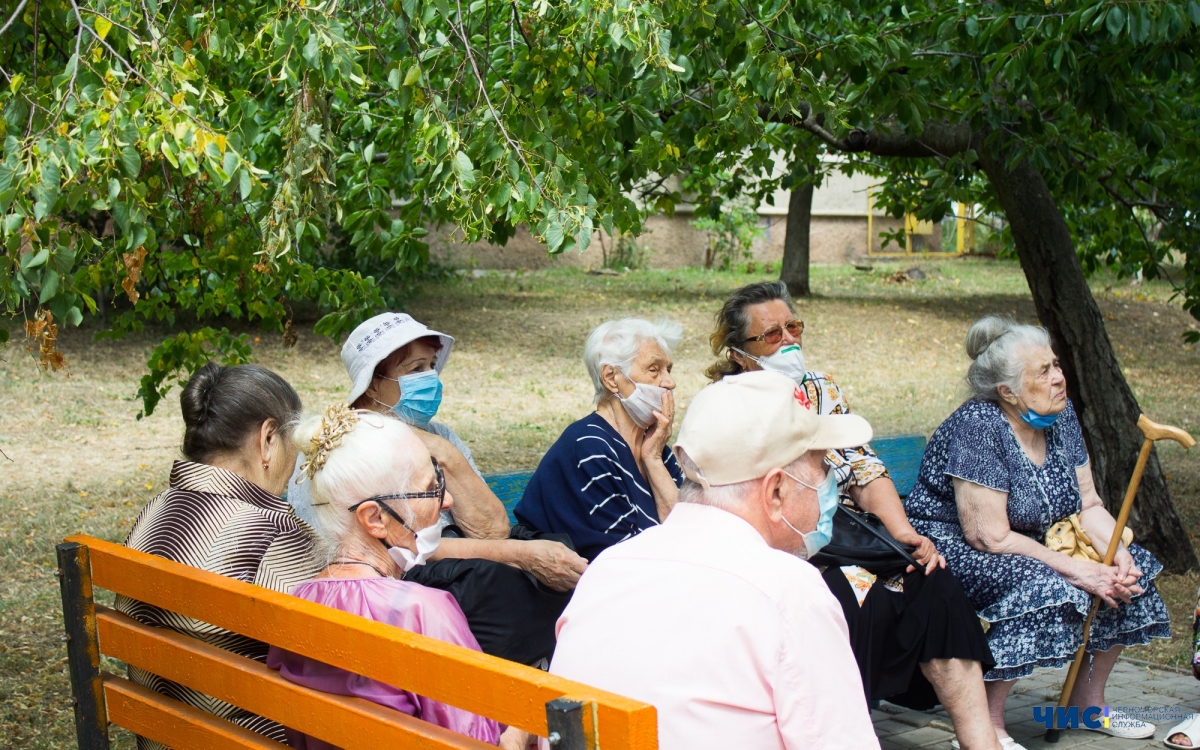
(838, 234)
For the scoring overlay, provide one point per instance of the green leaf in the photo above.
(312, 50)
(1115, 21)
(554, 236)
(244, 184)
(131, 161)
(369, 152)
(394, 78)
(972, 27)
(464, 170)
(413, 75)
(49, 286)
(33, 260)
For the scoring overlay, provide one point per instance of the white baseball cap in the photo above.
(745, 425)
(375, 339)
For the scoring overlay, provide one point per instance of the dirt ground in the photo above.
(79, 461)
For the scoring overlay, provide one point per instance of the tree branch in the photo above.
(12, 19)
(937, 139)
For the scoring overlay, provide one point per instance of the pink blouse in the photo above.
(405, 605)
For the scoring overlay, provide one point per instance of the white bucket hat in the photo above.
(375, 339)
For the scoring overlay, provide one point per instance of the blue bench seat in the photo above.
(900, 453)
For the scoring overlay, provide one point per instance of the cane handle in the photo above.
(1155, 431)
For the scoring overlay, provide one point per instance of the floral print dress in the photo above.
(1035, 615)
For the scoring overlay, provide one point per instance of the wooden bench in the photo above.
(573, 716)
(900, 453)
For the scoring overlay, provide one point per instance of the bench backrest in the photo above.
(510, 693)
(901, 454)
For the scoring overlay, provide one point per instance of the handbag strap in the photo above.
(882, 536)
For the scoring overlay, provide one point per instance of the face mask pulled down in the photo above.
(1038, 421)
(642, 403)
(789, 360)
(827, 498)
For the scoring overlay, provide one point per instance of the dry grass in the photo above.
(81, 462)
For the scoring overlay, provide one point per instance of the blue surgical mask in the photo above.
(1038, 421)
(420, 397)
(828, 499)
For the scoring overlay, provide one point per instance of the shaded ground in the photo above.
(82, 462)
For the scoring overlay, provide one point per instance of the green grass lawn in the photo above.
(81, 462)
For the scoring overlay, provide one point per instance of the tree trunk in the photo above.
(1107, 409)
(794, 270)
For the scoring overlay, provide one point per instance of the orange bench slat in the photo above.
(346, 722)
(175, 724)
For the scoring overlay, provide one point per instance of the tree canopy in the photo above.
(194, 162)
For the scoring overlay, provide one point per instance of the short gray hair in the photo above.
(994, 345)
(616, 343)
(362, 465)
(724, 496)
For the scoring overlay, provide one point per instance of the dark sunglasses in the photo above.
(439, 493)
(774, 334)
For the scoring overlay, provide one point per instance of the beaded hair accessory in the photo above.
(337, 421)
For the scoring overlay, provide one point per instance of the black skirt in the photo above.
(895, 631)
(510, 612)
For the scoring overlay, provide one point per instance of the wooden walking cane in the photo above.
(1152, 432)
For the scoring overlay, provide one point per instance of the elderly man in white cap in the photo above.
(714, 617)
(511, 583)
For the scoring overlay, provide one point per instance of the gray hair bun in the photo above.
(984, 332)
(997, 349)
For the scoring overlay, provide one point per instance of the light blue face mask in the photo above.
(1038, 421)
(827, 498)
(420, 397)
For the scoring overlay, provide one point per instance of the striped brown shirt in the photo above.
(214, 520)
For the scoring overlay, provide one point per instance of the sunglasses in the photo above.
(439, 493)
(774, 334)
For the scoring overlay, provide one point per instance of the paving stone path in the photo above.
(1172, 692)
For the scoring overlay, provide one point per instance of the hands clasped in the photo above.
(1114, 584)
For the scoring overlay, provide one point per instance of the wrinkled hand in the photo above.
(552, 563)
(1104, 581)
(1127, 570)
(659, 432)
(925, 553)
(515, 739)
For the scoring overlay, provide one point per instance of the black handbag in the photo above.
(860, 538)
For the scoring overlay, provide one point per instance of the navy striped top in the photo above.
(589, 487)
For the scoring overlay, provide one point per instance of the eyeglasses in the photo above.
(439, 493)
(774, 334)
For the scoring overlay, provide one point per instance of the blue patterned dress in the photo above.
(1036, 616)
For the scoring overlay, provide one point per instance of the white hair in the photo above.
(724, 496)
(371, 460)
(616, 343)
(996, 347)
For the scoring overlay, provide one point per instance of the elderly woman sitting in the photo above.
(222, 513)
(376, 498)
(610, 475)
(1001, 478)
(511, 583)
